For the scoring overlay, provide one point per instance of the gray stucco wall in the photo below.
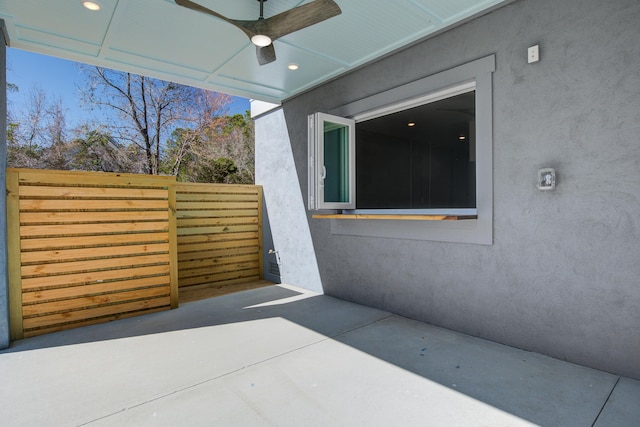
(563, 274)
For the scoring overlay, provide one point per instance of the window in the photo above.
(412, 152)
(412, 158)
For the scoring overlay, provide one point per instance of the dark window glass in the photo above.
(429, 165)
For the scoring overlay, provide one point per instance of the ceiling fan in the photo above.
(263, 32)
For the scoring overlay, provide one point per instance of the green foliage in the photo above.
(220, 170)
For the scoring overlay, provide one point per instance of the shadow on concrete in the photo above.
(533, 387)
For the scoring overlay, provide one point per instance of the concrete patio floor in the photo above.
(279, 356)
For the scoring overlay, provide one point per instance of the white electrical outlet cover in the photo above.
(533, 54)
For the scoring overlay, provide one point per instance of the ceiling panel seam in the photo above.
(109, 33)
(433, 16)
(48, 33)
(231, 58)
(316, 53)
(274, 88)
(154, 59)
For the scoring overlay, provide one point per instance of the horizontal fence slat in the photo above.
(201, 222)
(47, 243)
(219, 284)
(120, 216)
(52, 319)
(65, 326)
(203, 238)
(109, 251)
(231, 262)
(252, 274)
(49, 177)
(89, 302)
(216, 197)
(220, 229)
(187, 206)
(197, 187)
(185, 249)
(99, 288)
(89, 205)
(103, 228)
(92, 265)
(212, 269)
(44, 282)
(210, 254)
(221, 213)
(92, 192)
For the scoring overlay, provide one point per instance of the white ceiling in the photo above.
(160, 39)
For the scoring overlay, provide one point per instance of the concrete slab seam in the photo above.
(605, 402)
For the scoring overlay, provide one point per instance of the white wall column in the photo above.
(276, 172)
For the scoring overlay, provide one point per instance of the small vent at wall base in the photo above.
(274, 269)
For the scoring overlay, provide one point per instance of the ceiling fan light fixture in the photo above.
(261, 40)
(91, 5)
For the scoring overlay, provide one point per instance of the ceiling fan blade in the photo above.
(199, 8)
(293, 20)
(265, 54)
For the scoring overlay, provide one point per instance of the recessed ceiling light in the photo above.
(462, 137)
(293, 67)
(411, 124)
(91, 5)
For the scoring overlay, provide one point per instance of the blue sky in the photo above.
(59, 78)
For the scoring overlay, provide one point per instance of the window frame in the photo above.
(479, 230)
(316, 150)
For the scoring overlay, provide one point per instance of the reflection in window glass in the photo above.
(336, 162)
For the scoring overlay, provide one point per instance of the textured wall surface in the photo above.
(563, 274)
(276, 172)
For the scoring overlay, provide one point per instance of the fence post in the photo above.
(13, 255)
(173, 246)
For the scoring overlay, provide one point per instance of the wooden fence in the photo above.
(219, 234)
(87, 247)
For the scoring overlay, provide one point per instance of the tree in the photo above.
(30, 135)
(96, 150)
(220, 149)
(54, 133)
(185, 146)
(153, 127)
(148, 109)
(240, 145)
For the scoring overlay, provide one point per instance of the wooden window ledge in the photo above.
(397, 217)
